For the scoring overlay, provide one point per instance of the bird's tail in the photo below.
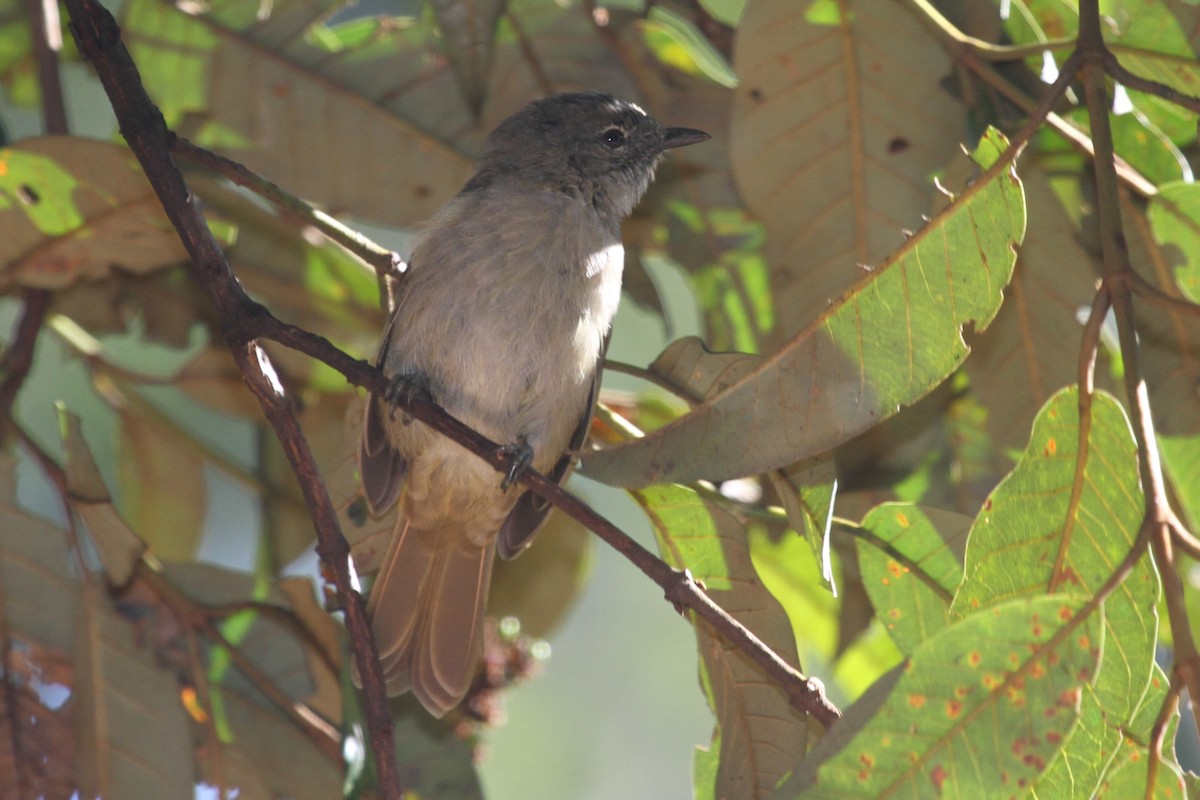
(427, 607)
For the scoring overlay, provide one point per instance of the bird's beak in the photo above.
(681, 137)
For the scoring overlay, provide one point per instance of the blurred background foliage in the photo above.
(820, 449)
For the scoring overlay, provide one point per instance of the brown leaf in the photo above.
(75, 208)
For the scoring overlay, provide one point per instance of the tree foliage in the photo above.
(935, 444)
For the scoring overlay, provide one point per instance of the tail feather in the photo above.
(427, 609)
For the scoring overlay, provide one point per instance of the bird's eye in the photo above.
(614, 137)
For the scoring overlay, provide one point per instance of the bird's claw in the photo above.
(403, 390)
(521, 456)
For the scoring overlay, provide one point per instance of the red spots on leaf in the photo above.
(1037, 670)
(987, 504)
(894, 613)
(954, 709)
(896, 569)
(1070, 576)
(1066, 613)
(1051, 447)
(1069, 698)
(868, 764)
(990, 681)
(961, 691)
(1035, 761)
(974, 658)
(902, 518)
(1054, 738)
(1052, 658)
(938, 775)
(1084, 641)
(916, 700)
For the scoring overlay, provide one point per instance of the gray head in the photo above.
(585, 142)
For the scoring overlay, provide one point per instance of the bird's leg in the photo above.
(404, 389)
(521, 456)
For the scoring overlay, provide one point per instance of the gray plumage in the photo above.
(504, 314)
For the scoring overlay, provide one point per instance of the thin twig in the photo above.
(1158, 734)
(988, 51)
(18, 357)
(1088, 350)
(1133, 81)
(1149, 292)
(383, 261)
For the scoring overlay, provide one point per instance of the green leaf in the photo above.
(911, 565)
(1034, 535)
(726, 12)
(1088, 752)
(1031, 350)
(977, 711)
(676, 41)
(760, 736)
(890, 340)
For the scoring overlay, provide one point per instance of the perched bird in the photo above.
(503, 318)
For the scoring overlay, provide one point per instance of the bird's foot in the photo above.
(520, 456)
(405, 389)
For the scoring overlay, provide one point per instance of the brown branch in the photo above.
(1148, 291)
(1133, 81)
(18, 357)
(385, 262)
(144, 129)
(1158, 517)
(1158, 734)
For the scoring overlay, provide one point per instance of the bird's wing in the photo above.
(531, 510)
(380, 466)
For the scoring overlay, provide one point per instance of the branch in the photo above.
(143, 127)
(1138, 83)
(1159, 520)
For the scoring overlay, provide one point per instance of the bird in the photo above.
(502, 319)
